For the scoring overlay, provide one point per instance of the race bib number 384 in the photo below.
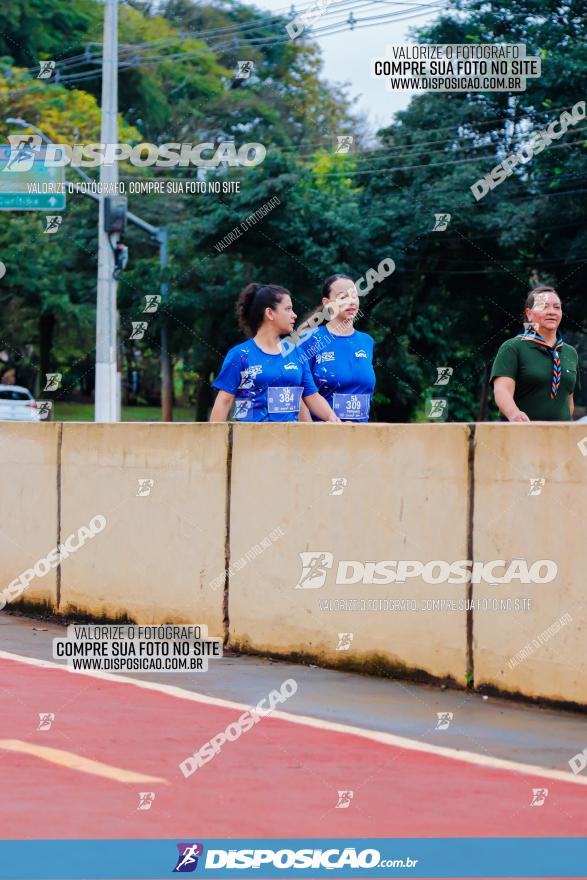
(284, 399)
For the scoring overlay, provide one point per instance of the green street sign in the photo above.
(27, 184)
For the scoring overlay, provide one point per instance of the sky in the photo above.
(347, 55)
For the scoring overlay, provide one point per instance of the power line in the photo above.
(463, 147)
(333, 9)
(287, 9)
(243, 27)
(455, 126)
(487, 272)
(427, 164)
(520, 198)
(326, 30)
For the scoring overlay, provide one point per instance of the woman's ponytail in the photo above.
(252, 302)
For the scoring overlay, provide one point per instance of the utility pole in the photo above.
(107, 394)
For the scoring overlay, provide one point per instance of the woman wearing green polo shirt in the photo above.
(534, 374)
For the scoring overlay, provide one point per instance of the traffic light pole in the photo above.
(160, 236)
(107, 393)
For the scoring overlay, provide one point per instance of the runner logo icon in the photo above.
(187, 860)
(314, 568)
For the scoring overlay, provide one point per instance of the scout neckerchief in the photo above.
(533, 336)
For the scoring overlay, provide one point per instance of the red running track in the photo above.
(280, 779)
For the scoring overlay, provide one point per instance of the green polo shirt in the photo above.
(529, 364)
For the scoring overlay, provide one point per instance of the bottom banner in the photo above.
(269, 858)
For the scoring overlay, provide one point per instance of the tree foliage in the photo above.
(454, 296)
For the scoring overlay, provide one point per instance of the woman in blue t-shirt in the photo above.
(264, 383)
(341, 358)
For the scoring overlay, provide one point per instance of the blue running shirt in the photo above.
(342, 366)
(266, 387)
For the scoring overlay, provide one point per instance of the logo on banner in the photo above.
(536, 485)
(53, 222)
(344, 641)
(153, 301)
(444, 374)
(444, 719)
(244, 69)
(138, 329)
(539, 796)
(46, 70)
(146, 799)
(344, 799)
(187, 860)
(441, 222)
(437, 408)
(338, 485)
(46, 719)
(53, 382)
(314, 569)
(22, 152)
(44, 408)
(345, 143)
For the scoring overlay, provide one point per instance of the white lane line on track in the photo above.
(389, 739)
(76, 762)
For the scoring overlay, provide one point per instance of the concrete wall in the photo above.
(28, 504)
(510, 523)
(405, 498)
(158, 552)
(162, 555)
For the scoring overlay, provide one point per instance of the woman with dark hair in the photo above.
(535, 374)
(340, 357)
(263, 383)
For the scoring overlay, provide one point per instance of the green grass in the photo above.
(84, 412)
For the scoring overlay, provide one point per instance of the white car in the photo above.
(17, 404)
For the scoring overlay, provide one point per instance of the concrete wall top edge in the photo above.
(28, 443)
(26, 427)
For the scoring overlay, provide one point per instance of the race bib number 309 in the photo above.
(351, 406)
